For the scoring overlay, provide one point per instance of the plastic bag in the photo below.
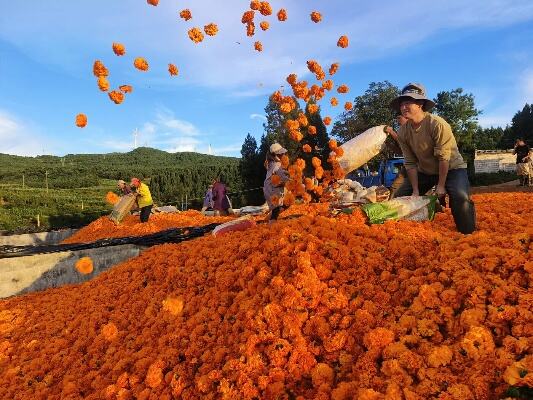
(122, 208)
(421, 208)
(239, 224)
(362, 148)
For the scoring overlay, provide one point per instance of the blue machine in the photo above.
(388, 170)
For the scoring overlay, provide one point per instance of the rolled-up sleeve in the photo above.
(443, 137)
(410, 160)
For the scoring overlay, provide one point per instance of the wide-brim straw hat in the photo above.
(414, 91)
(277, 149)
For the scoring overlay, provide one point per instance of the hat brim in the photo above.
(280, 152)
(428, 104)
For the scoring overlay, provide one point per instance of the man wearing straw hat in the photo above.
(432, 157)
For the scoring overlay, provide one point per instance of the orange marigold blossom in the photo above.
(282, 15)
(174, 305)
(250, 29)
(119, 49)
(153, 2)
(343, 89)
(248, 17)
(311, 130)
(312, 108)
(264, 25)
(343, 42)
(116, 97)
(333, 68)
(327, 84)
(211, 29)
(275, 179)
(332, 144)
(126, 88)
(99, 69)
(302, 120)
(84, 265)
(196, 35)
(306, 148)
(327, 121)
(255, 5)
(141, 64)
(348, 106)
(172, 70)
(185, 14)
(334, 102)
(81, 120)
(103, 83)
(112, 198)
(258, 46)
(292, 79)
(316, 17)
(265, 8)
(110, 331)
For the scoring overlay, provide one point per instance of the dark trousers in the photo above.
(145, 213)
(457, 187)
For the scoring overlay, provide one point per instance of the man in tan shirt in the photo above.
(432, 157)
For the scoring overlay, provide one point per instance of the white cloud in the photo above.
(228, 61)
(258, 116)
(20, 138)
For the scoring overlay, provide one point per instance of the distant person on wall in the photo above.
(144, 198)
(123, 187)
(276, 177)
(432, 156)
(208, 198)
(221, 203)
(521, 149)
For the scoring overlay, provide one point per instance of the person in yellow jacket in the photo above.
(144, 198)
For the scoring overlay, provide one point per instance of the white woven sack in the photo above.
(362, 148)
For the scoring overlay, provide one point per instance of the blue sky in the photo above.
(47, 49)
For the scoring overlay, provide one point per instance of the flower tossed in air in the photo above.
(153, 2)
(333, 68)
(327, 121)
(284, 161)
(172, 70)
(119, 49)
(141, 64)
(306, 148)
(348, 106)
(126, 88)
(81, 120)
(343, 89)
(334, 102)
(211, 29)
(265, 8)
(116, 96)
(343, 42)
(292, 79)
(250, 29)
(312, 108)
(258, 46)
(248, 16)
(311, 130)
(275, 179)
(84, 265)
(264, 25)
(316, 17)
(332, 144)
(99, 69)
(112, 198)
(255, 5)
(282, 15)
(103, 83)
(196, 35)
(185, 14)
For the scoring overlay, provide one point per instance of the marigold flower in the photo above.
(154, 377)
(339, 152)
(250, 29)
(264, 25)
(195, 35)
(110, 331)
(334, 102)
(333, 68)
(327, 121)
(172, 70)
(103, 83)
(343, 89)
(319, 172)
(306, 148)
(282, 15)
(141, 64)
(258, 46)
(185, 14)
(248, 17)
(119, 49)
(126, 88)
(174, 305)
(84, 265)
(116, 96)
(153, 2)
(284, 161)
(440, 356)
(311, 130)
(99, 69)
(255, 5)
(316, 17)
(275, 179)
(211, 29)
(302, 120)
(312, 108)
(291, 79)
(327, 84)
(332, 144)
(265, 8)
(343, 42)
(81, 120)
(348, 105)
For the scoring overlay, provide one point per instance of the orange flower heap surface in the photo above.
(315, 306)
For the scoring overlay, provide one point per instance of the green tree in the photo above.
(252, 170)
(521, 126)
(369, 110)
(318, 142)
(488, 138)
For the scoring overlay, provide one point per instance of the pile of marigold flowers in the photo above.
(306, 308)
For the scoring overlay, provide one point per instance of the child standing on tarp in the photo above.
(276, 177)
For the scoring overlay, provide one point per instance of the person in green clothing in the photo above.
(432, 156)
(144, 198)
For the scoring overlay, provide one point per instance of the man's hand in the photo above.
(440, 191)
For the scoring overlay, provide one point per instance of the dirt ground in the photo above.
(503, 187)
